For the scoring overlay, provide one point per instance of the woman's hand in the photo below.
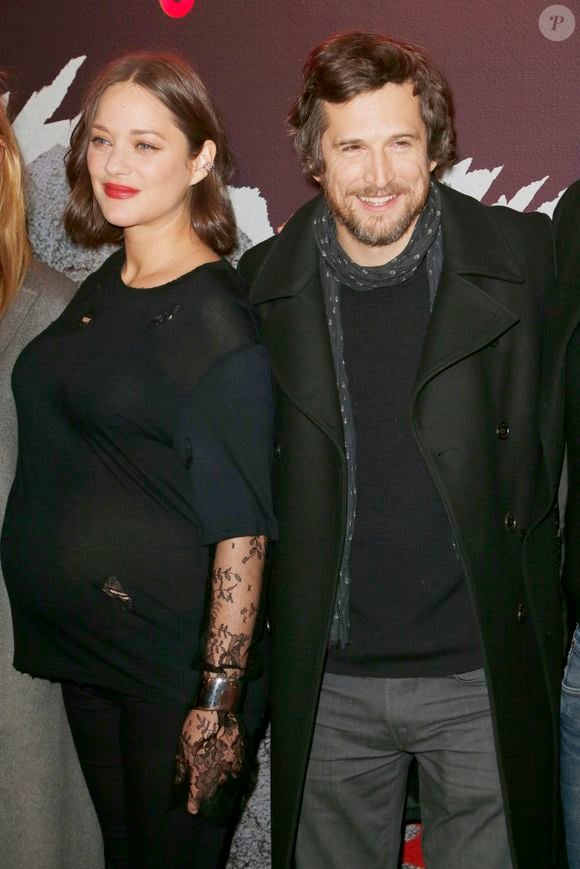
(210, 750)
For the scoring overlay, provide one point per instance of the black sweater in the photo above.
(410, 609)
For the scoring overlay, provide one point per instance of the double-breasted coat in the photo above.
(474, 412)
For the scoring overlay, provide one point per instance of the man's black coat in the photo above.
(478, 378)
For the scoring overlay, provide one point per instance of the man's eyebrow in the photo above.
(348, 141)
(352, 140)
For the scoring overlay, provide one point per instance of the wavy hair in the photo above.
(15, 253)
(169, 78)
(354, 63)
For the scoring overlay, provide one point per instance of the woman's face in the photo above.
(138, 160)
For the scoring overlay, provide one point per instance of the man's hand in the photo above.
(210, 749)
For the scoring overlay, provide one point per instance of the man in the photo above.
(414, 604)
(563, 370)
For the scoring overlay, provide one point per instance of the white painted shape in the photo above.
(524, 196)
(251, 210)
(475, 183)
(549, 207)
(36, 136)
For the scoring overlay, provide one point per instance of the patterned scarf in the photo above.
(337, 269)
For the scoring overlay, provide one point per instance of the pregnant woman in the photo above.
(135, 533)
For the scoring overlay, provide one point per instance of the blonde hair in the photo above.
(15, 250)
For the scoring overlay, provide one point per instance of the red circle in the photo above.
(177, 8)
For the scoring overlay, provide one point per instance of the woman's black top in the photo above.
(145, 422)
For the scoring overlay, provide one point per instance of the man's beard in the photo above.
(373, 232)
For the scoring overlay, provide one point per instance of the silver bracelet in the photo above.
(218, 692)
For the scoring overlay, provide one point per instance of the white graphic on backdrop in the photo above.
(35, 134)
(43, 143)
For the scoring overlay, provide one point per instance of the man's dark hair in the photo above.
(354, 63)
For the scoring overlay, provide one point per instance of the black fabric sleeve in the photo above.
(225, 438)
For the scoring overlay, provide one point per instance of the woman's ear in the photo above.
(203, 163)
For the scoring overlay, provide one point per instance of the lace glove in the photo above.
(213, 758)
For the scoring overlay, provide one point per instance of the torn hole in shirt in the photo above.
(113, 589)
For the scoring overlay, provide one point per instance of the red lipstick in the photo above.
(119, 191)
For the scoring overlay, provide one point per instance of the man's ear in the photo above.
(202, 164)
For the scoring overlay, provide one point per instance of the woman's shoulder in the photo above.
(216, 296)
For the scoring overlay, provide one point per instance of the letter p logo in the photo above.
(557, 23)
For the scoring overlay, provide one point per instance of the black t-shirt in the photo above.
(411, 614)
(145, 423)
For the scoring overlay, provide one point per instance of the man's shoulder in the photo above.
(252, 260)
(527, 235)
(285, 241)
(501, 215)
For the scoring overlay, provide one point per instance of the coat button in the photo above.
(502, 431)
(510, 522)
(277, 450)
(521, 613)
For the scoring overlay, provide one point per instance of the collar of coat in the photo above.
(469, 313)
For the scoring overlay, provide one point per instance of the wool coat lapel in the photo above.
(295, 329)
(467, 315)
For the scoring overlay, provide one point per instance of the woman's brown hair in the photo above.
(353, 63)
(14, 245)
(169, 78)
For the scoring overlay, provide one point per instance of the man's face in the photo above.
(376, 171)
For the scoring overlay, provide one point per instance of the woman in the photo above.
(145, 433)
(46, 818)
(564, 335)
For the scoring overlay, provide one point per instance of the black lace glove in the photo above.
(213, 762)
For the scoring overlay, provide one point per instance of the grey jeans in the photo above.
(367, 732)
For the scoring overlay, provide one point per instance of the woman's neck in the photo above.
(153, 258)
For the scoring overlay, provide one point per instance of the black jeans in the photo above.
(126, 747)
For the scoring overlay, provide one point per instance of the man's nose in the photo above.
(379, 169)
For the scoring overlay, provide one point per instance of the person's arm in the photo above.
(211, 745)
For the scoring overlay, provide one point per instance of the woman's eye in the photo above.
(99, 141)
(146, 146)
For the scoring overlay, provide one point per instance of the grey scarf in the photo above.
(337, 269)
